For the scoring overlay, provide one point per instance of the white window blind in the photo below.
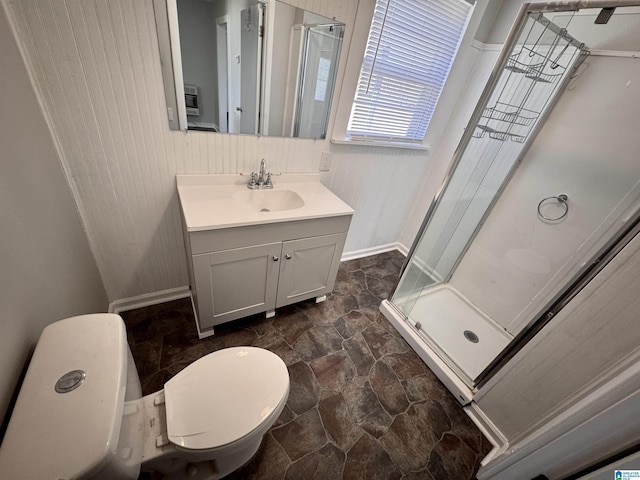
(410, 50)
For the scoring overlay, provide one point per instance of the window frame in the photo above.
(461, 67)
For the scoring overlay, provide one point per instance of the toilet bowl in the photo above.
(218, 408)
(80, 412)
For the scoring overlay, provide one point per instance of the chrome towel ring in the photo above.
(562, 200)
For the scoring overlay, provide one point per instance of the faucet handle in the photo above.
(253, 180)
(269, 183)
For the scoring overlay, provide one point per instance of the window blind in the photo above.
(410, 50)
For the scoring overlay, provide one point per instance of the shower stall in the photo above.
(542, 187)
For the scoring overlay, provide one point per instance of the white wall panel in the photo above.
(47, 271)
(381, 185)
(96, 65)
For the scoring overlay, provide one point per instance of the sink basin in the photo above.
(268, 200)
(211, 202)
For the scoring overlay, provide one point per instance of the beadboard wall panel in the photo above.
(96, 68)
(387, 182)
(47, 270)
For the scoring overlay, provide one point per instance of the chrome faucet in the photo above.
(262, 179)
(263, 172)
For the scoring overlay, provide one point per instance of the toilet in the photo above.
(80, 413)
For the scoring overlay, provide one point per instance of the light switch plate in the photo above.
(325, 162)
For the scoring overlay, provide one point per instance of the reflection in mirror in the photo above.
(301, 77)
(221, 53)
(247, 67)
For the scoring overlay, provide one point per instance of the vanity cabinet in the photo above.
(309, 267)
(251, 251)
(241, 271)
(235, 283)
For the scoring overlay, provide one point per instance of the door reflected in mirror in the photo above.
(248, 67)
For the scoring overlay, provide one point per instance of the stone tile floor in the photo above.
(362, 405)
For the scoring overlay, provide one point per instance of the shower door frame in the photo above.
(608, 251)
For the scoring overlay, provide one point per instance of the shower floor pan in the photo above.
(468, 337)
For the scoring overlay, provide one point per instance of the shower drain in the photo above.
(472, 337)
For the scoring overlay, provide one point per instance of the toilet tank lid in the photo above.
(224, 396)
(72, 434)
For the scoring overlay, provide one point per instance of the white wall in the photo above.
(122, 159)
(504, 17)
(380, 183)
(47, 271)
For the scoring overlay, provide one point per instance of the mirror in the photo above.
(246, 66)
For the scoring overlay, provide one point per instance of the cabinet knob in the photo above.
(288, 256)
(276, 258)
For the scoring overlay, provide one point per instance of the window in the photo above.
(410, 50)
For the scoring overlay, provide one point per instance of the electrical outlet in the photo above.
(325, 162)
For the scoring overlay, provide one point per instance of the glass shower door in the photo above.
(532, 76)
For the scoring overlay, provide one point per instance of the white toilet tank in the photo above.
(71, 420)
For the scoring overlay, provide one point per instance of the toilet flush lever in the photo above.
(70, 381)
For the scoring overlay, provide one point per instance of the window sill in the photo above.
(382, 144)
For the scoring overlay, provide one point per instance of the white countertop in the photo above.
(208, 201)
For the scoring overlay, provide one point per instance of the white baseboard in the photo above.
(489, 430)
(147, 299)
(366, 252)
(402, 248)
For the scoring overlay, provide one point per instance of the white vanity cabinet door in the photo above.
(232, 284)
(309, 267)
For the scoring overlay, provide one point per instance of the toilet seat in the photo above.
(224, 397)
